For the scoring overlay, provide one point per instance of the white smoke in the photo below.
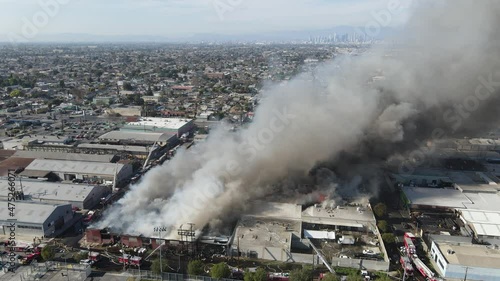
(309, 121)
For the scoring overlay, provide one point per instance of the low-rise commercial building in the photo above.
(78, 195)
(462, 261)
(36, 219)
(177, 126)
(83, 170)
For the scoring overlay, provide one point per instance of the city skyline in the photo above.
(181, 20)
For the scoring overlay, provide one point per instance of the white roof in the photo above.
(28, 212)
(343, 215)
(81, 167)
(484, 222)
(315, 234)
(50, 190)
(439, 197)
(166, 123)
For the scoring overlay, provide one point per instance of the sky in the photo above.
(180, 18)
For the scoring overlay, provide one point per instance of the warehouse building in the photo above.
(485, 225)
(283, 232)
(176, 126)
(139, 138)
(36, 219)
(135, 150)
(78, 195)
(106, 173)
(464, 261)
(53, 155)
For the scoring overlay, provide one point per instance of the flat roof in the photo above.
(136, 135)
(484, 222)
(342, 215)
(483, 201)
(132, 148)
(265, 232)
(166, 123)
(50, 190)
(81, 167)
(28, 211)
(14, 163)
(439, 197)
(105, 158)
(470, 255)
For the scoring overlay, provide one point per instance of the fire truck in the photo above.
(29, 258)
(424, 270)
(409, 238)
(129, 259)
(406, 264)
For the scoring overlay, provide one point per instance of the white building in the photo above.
(91, 171)
(484, 224)
(178, 126)
(466, 261)
(78, 195)
(35, 219)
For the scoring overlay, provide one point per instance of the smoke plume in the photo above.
(440, 81)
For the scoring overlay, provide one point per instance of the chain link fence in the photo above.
(149, 275)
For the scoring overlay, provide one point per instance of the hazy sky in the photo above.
(185, 17)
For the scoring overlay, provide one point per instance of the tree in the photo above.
(15, 93)
(155, 266)
(330, 277)
(220, 270)
(380, 210)
(61, 84)
(195, 268)
(150, 91)
(259, 275)
(383, 226)
(304, 274)
(388, 238)
(80, 255)
(127, 86)
(48, 253)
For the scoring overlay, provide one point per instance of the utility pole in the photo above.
(466, 270)
(160, 229)
(123, 257)
(66, 265)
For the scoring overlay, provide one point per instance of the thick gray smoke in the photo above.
(440, 80)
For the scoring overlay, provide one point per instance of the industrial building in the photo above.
(104, 158)
(485, 225)
(135, 150)
(138, 138)
(465, 261)
(341, 218)
(283, 232)
(479, 212)
(21, 144)
(176, 126)
(36, 219)
(268, 233)
(78, 195)
(94, 172)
